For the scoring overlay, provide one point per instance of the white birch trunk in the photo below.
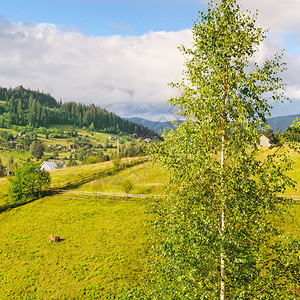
(222, 286)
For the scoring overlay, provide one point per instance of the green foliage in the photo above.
(37, 149)
(2, 169)
(117, 162)
(72, 161)
(273, 137)
(127, 186)
(6, 135)
(24, 106)
(212, 237)
(292, 134)
(28, 183)
(59, 165)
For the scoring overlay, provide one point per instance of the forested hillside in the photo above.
(20, 106)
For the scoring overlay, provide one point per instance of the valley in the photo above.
(98, 205)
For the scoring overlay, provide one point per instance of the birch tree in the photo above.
(214, 236)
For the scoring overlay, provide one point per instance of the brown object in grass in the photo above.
(54, 239)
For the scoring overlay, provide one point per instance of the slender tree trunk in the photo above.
(222, 268)
(223, 204)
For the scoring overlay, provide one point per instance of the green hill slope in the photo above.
(20, 106)
(146, 179)
(69, 144)
(104, 241)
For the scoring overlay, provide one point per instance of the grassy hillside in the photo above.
(104, 241)
(146, 179)
(3, 190)
(63, 177)
(63, 142)
(103, 244)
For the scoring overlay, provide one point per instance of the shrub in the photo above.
(29, 183)
(127, 186)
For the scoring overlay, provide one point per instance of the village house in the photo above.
(264, 141)
(52, 165)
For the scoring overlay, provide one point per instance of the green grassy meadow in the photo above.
(147, 178)
(104, 240)
(62, 177)
(3, 190)
(103, 244)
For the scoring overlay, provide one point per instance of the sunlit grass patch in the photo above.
(61, 177)
(103, 244)
(146, 179)
(3, 190)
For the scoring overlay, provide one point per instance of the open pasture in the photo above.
(147, 178)
(62, 177)
(104, 241)
(101, 251)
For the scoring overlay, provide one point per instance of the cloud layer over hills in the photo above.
(128, 75)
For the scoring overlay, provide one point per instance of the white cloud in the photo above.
(127, 75)
(281, 16)
(105, 70)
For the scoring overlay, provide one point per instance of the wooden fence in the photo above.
(110, 195)
(103, 173)
(294, 198)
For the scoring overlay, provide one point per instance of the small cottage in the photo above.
(264, 141)
(52, 165)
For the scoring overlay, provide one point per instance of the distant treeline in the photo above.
(20, 106)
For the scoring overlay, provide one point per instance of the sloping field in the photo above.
(104, 241)
(146, 179)
(103, 244)
(63, 177)
(3, 190)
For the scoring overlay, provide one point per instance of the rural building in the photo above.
(264, 141)
(52, 165)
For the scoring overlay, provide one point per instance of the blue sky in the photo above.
(121, 55)
(102, 17)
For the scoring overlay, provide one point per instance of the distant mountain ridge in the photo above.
(158, 126)
(282, 123)
(275, 123)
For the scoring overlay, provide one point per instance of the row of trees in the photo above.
(24, 95)
(23, 107)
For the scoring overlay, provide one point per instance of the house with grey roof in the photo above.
(52, 165)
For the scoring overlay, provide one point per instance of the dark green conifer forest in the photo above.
(20, 106)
